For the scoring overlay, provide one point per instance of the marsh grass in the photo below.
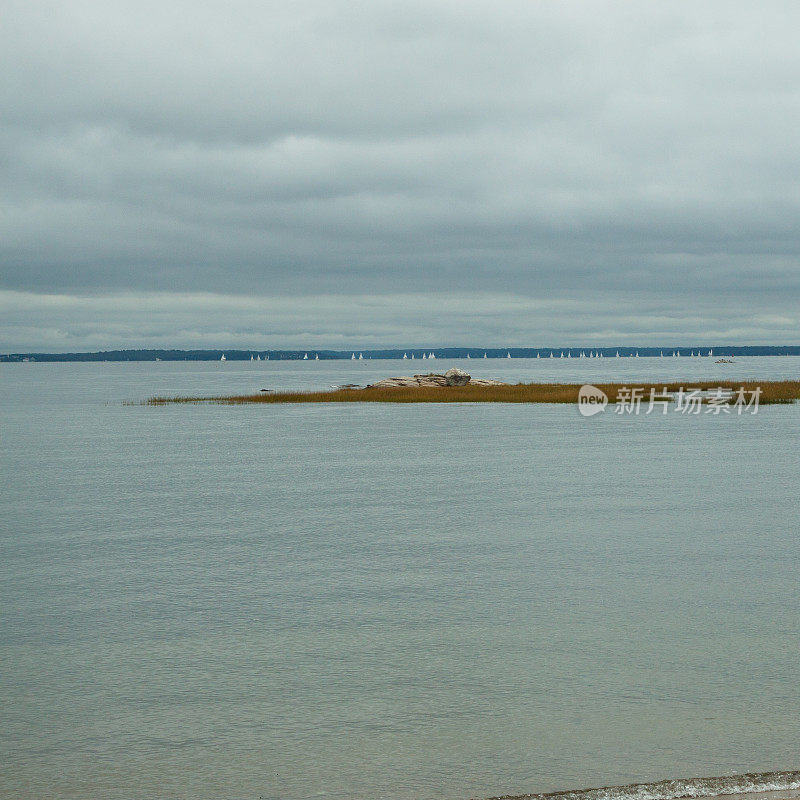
(772, 392)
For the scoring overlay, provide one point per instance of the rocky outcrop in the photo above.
(407, 380)
(486, 382)
(453, 377)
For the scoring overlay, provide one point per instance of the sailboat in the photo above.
(569, 354)
(508, 355)
(405, 355)
(352, 356)
(431, 355)
(412, 356)
(223, 357)
(617, 354)
(360, 356)
(251, 358)
(424, 356)
(258, 357)
(467, 355)
(316, 357)
(484, 355)
(537, 355)
(551, 354)
(710, 352)
(305, 357)
(637, 354)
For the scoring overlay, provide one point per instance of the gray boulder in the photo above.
(457, 377)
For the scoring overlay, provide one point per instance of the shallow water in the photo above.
(416, 601)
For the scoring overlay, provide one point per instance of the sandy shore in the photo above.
(749, 786)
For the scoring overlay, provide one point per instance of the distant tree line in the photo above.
(396, 353)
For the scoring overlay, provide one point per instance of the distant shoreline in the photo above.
(771, 392)
(413, 353)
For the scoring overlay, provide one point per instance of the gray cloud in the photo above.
(625, 156)
(155, 320)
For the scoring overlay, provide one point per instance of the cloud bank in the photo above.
(194, 174)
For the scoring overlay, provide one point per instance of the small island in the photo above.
(457, 386)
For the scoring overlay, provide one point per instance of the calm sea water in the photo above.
(372, 600)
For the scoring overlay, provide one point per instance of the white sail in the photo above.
(360, 356)
(258, 357)
(508, 355)
(484, 355)
(405, 355)
(617, 353)
(467, 355)
(316, 357)
(251, 358)
(431, 355)
(223, 357)
(537, 355)
(352, 356)
(305, 357)
(424, 356)
(711, 352)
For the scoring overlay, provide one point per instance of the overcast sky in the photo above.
(356, 174)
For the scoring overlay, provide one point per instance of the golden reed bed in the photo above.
(771, 392)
